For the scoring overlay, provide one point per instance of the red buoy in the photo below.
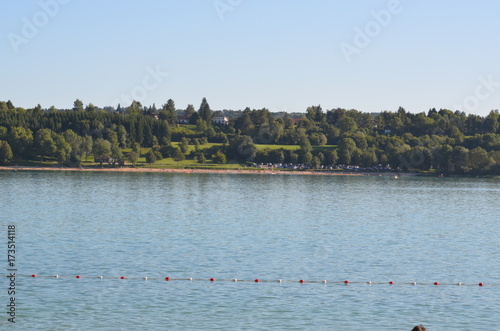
(122, 277)
(34, 275)
(346, 282)
(391, 283)
(301, 281)
(167, 279)
(78, 277)
(481, 284)
(436, 283)
(212, 279)
(257, 280)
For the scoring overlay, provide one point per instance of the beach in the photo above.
(205, 171)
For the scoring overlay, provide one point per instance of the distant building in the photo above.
(221, 120)
(182, 120)
(102, 159)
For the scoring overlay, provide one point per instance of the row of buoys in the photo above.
(257, 280)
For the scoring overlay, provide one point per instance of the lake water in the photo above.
(378, 229)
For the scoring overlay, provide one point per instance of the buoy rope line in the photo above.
(257, 280)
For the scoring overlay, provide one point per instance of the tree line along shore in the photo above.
(437, 141)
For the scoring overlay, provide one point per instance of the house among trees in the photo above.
(182, 120)
(221, 120)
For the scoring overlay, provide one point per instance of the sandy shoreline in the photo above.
(203, 171)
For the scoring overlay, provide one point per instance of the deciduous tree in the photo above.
(6, 155)
(101, 150)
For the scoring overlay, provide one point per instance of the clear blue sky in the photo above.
(279, 54)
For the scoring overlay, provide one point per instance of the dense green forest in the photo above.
(440, 141)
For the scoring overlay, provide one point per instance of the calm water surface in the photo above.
(363, 229)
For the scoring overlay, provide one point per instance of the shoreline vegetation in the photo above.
(436, 143)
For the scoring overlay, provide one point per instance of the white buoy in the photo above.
(57, 276)
(190, 278)
(414, 283)
(324, 281)
(101, 277)
(369, 282)
(235, 280)
(459, 284)
(279, 280)
(145, 278)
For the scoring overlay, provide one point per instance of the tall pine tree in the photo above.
(205, 113)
